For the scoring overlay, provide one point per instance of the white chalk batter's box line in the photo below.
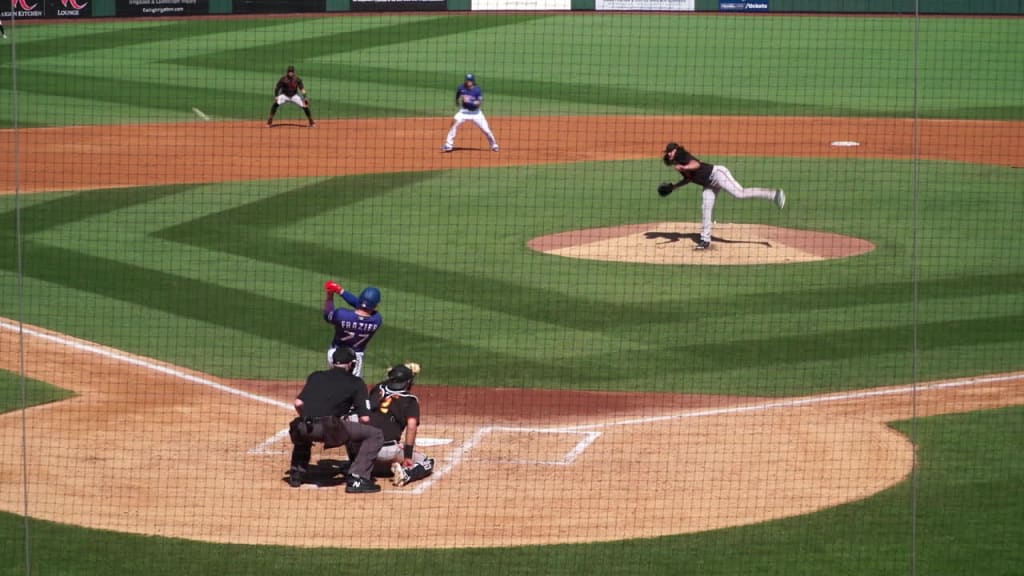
(567, 458)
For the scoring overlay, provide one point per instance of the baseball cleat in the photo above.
(780, 199)
(495, 148)
(446, 148)
(702, 245)
(296, 475)
(312, 124)
(357, 485)
(400, 476)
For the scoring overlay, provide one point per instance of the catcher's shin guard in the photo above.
(421, 470)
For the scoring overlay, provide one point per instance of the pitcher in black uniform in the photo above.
(713, 179)
(394, 409)
(323, 404)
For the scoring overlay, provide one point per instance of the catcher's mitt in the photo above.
(665, 188)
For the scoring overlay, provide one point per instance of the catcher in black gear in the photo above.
(395, 410)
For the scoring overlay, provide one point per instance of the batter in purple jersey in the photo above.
(352, 328)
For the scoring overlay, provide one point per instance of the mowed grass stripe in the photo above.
(187, 298)
(395, 31)
(178, 94)
(128, 35)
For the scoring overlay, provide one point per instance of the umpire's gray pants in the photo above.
(366, 442)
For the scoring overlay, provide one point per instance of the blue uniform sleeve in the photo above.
(350, 298)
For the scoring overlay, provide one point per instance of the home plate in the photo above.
(845, 143)
(433, 441)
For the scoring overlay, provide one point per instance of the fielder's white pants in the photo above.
(357, 366)
(297, 100)
(722, 179)
(476, 117)
(395, 453)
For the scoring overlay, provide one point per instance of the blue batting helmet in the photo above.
(470, 78)
(369, 298)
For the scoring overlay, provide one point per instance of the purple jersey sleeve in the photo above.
(350, 298)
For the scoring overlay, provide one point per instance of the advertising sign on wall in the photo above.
(724, 6)
(31, 9)
(522, 4)
(658, 5)
(24, 9)
(399, 5)
(162, 7)
(277, 6)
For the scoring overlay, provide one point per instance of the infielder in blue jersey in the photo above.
(352, 328)
(469, 98)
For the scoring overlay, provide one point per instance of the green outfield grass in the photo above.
(103, 72)
(968, 522)
(190, 274)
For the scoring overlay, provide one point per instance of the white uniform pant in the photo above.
(297, 100)
(722, 179)
(476, 117)
(357, 366)
(394, 452)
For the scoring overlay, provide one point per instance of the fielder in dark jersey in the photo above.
(395, 410)
(352, 328)
(713, 179)
(290, 89)
(325, 401)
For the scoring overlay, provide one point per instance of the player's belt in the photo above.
(391, 443)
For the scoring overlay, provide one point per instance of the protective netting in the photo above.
(803, 356)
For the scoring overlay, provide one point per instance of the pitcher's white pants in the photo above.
(722, 179)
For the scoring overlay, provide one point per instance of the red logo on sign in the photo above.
(22, 6)
(74, 4)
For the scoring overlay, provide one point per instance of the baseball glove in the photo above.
(332, 287)
(665, 188)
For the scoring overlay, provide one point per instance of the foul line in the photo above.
(141, 362)
(84, 346)
(460, 455)
(801, 401)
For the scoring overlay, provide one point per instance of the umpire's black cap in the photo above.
(343, 355)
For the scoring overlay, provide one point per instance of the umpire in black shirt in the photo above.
(324, 404)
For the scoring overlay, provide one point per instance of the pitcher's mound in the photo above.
(675, 243)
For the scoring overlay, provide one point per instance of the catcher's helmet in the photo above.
(369, 298)
(399, 377)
